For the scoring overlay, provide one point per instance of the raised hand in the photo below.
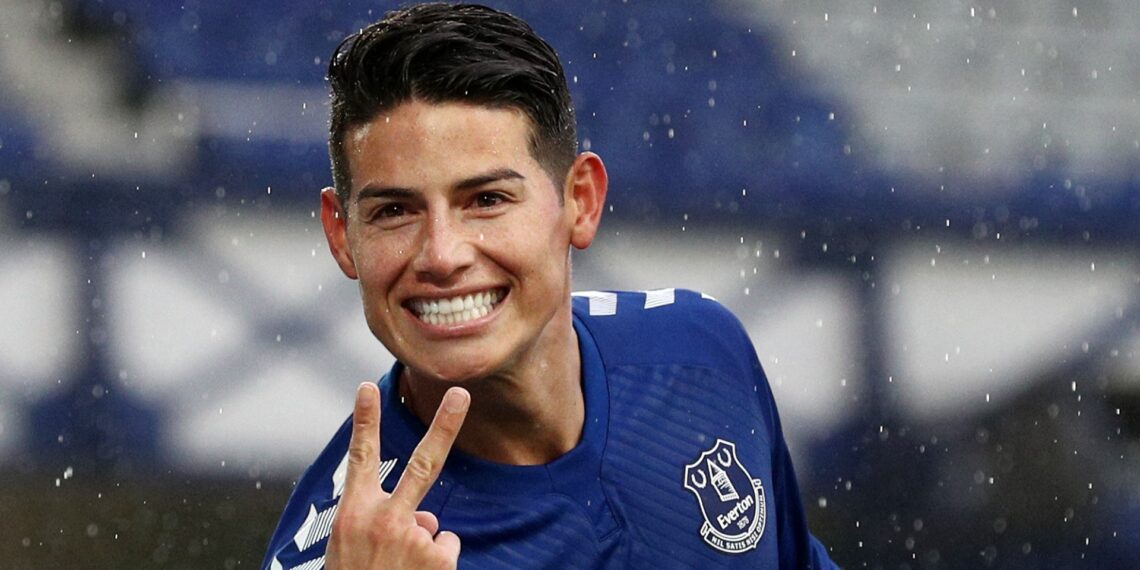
(374, 529)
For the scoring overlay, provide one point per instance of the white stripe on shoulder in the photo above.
(602, 303)
(660, 298)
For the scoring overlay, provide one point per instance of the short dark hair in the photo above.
(451, 52)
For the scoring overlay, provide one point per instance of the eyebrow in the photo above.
(492, 176)
(374, 191)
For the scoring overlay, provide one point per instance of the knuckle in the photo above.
(362, 423)
(360, 452)
(420, 467)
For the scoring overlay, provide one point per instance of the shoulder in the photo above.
(307, 517)
(662, 326)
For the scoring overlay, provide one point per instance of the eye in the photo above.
(390, 211)
(488, 199)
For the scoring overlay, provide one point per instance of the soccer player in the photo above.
(522, 426)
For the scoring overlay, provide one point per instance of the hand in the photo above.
(374, 529)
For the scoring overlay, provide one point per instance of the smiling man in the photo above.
(522, 426)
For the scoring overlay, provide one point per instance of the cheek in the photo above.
(523, 249)
(537, 254)
(379, 262)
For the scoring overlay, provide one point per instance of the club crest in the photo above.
(731, 501)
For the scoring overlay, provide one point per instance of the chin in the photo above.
(459, 374)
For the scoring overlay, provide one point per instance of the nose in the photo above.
(444, 249)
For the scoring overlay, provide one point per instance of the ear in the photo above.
(336, 231)
(586, 186)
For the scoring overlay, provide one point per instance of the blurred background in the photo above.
(926, 213)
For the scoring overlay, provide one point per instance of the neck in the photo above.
(530, 414)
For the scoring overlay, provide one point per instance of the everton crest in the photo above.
(732, 502)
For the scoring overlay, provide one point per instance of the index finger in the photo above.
(364, 445)
(427, 460)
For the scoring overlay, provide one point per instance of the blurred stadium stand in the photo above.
(927, 214)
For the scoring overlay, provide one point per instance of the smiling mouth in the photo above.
(455, 310)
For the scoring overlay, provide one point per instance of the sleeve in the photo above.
(798, 547)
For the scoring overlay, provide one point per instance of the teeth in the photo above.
(456, 309)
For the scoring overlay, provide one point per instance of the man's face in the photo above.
(458, 238)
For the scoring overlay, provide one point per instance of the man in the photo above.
(601, 430)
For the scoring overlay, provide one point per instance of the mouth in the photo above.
(458, 309)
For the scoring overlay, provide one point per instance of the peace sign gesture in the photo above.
(375, 529)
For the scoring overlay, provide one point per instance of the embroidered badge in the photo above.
(732, 502)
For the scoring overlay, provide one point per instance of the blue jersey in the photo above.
(682, 461)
